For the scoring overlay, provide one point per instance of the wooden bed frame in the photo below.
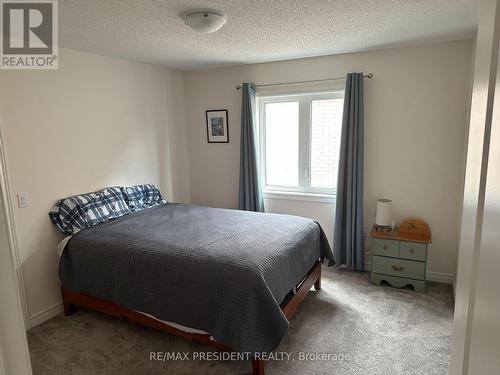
(72, 299)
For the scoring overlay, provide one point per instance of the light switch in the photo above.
(23, 200)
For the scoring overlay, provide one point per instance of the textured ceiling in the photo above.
(153, 31)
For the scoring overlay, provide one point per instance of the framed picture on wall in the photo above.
(217, 126)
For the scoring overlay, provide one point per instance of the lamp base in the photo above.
(382, 228)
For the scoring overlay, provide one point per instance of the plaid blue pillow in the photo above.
(82, 211)
(139, 197)
(56, 219)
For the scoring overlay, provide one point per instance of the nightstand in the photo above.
(400, 257)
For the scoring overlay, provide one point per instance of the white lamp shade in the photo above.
(204, 22)
(384, 212)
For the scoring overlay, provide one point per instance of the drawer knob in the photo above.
(398, 268)
(412, 251)
(385, 247)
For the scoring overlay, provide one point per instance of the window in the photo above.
(300, 141)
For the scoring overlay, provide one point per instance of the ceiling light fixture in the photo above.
(205, 21)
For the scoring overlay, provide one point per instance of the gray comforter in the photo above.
(221, 271)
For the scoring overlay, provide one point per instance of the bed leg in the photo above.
(257, 367)
(317, 283)
(69, 308)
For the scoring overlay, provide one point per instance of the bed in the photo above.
(229, 278)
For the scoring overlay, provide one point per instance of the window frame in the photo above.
(305, 125)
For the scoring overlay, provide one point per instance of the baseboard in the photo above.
(47, 314)
(437, 277)
(57, 309)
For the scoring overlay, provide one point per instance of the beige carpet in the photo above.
(361, 329)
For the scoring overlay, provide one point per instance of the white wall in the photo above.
(475, 347)
(415, 127)
(14, 355)
(95, 122)
(485, 328)
(319, 211)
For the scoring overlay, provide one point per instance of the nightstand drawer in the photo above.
(388, 248)
(413, 250)
(399, 267)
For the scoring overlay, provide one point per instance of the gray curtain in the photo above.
(348, 232)
(250, 188)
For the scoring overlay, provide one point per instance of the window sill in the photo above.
(299, 196)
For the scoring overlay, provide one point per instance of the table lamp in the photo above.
(384, 214)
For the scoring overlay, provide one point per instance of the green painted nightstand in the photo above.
(400, 257)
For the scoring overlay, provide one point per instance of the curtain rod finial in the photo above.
(369, 75)
(238, 87)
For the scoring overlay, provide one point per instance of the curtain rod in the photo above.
(369, 76)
